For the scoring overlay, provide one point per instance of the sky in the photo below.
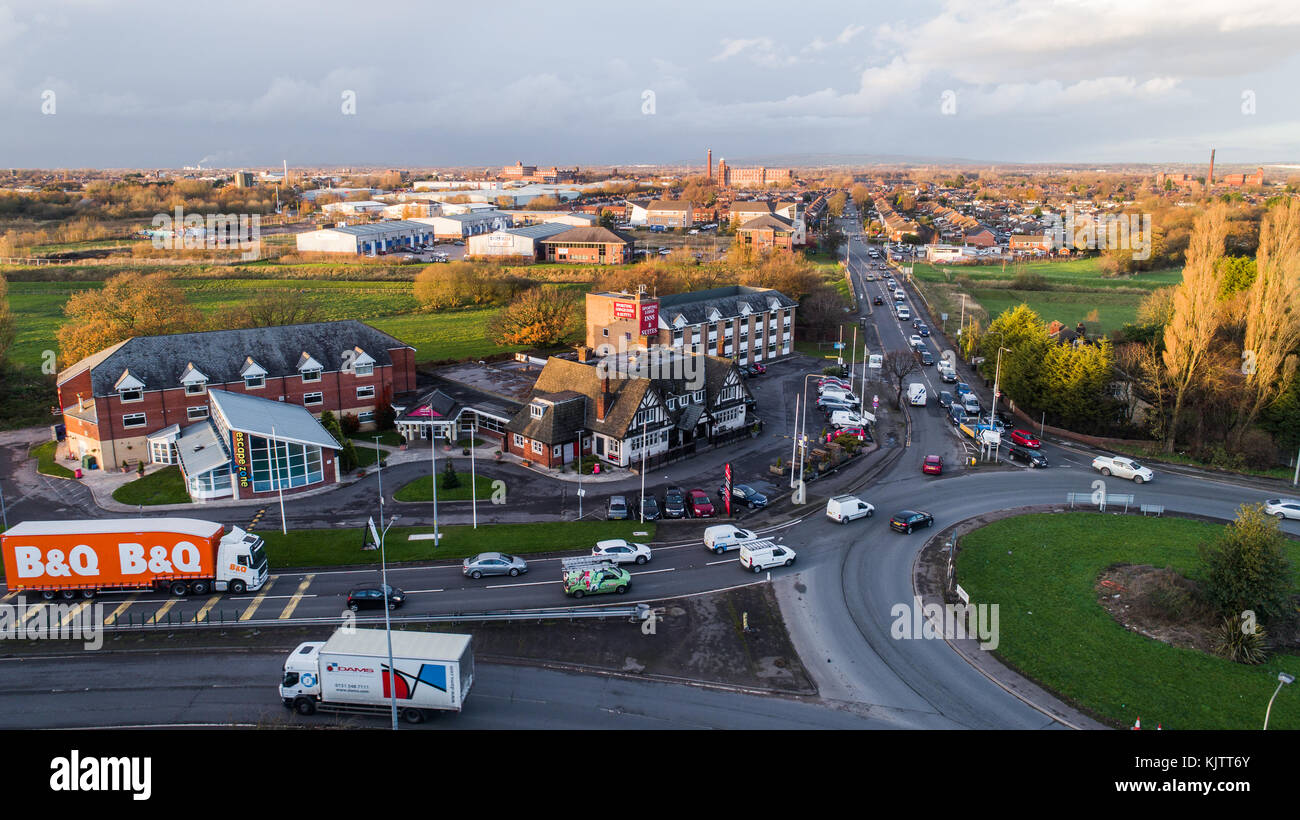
(120, 83)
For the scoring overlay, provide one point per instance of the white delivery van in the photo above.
(916, 394)
(764, 554)
(724, 537)
(845, 508)
(876, 362)
(903, 313)
(846, 418)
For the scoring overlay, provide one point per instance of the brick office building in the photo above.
(766, 233)
(114, 402)
(592, 246)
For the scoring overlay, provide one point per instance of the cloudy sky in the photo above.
(118, 83)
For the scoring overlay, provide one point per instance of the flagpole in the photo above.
(284, 527)
(473, 476)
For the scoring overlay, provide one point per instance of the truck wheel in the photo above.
(1137, 479)
(621, 589)
(1105, 471)
(238, 587)
(757, 569)
(177, 588)
(413, 715)
(47, 594)
(577, 593)
(305, 706)
(870, 513)
(69, 594)
(88, 593)
(199, 587)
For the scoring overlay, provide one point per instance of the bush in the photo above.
(351, 424)
(1028, 280)
(1246, 568)
(449, 479)
(1234, 642)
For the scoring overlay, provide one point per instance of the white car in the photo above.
(915, 341)
(1122, 468)
(621, 551)
(725, 537)
(1283, 507)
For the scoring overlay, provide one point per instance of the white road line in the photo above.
(527, 584)
(418, 591)
(653, 571)
(723, 561)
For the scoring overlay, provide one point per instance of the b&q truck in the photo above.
(179, 555)
(432, 671)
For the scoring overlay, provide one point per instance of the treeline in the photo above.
(105, 200)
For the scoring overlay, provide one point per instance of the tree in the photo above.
(129, 304)
(835, 204)
(283, 307)
(1246, 569)
(348, 452)
(7, 323)
(541, 317)
(896, 366)
(1195, 319)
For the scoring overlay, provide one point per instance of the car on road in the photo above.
(932, 465)
(1283, 507)
(908, 520)
(845, 508)
(957, 414)
(915, 341)
(879, 300)
(759, 368)
(725, 537)
(962, 389)
(595, 580)
(674, 503)
(745, 494)
(1031, 457)
(945, 399)
(1121, 467)
(924, 329)
(948, 376)
(372, 596)
(758, 557)
(1025, 439)
(650, 508)
(699, 505)
(493, 563)
(927, 358)
(970, 404)
(616, 508)
(621, 551)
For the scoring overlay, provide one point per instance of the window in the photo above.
(538, 447)
(537, 410)
(363, 370)
(162, 452)
(130, 395)
(254, 382)
(366, 416)
(699, 396)
(309, 399)
(367, 392)
(519, 440)
(311, 375)
(197, 413)
(196, 388)
(133, 420)
(604, 331)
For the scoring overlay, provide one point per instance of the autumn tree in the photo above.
(541, 317)
(835, 204)
(129, 304)
(7, 323)
(461, 284)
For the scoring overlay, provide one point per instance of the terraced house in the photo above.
(127, 402)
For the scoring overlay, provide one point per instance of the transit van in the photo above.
(916, 394)
(764, 554)
(843, 396)
(845, 508)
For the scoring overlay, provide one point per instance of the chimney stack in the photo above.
(602, 401)
(1209, 182)
(710, 163)
(584, 354)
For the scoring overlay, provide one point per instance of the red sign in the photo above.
(649, 318)
(726, 488)
(625, 310)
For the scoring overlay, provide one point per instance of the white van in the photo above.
(725, 537)
(904, 313)
(916, 394)
(875, 362)
(846, 418)
(765, 554)
(845, 508)
(970, 404)
(831, 394)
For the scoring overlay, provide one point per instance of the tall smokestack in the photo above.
(710, 163)
(1210, 181)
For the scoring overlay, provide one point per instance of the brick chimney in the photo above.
(584, 354)
(603, 400)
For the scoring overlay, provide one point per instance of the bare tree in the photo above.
(896, 366)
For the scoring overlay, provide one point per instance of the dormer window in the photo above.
(537, 410)
(309, 368)
(254, 374)
(362, 363)
(194, 381)
(130, 395)
(129, 388)
(254, 382)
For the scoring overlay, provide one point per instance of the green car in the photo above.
(587, 577)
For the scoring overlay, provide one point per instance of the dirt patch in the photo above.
(1158, 603)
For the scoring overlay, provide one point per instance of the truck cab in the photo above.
(241, 562)
(302, 673)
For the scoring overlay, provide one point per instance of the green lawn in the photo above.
(421, 489)
(45, 461)
(1042, 569)
(1069, 307)
(166, 486)
(333, 547)
(390, 438)
(1086, 273)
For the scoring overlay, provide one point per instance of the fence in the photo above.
(1100, 499)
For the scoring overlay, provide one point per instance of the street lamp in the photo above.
(388, 627)
(1283, 679)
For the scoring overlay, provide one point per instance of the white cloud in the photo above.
(842, 39)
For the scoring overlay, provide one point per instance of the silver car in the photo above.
(1283, 507)
(493, 563)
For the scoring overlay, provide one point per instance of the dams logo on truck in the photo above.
(338, 667)
(431, 674)
(83, 560)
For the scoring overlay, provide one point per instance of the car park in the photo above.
(725, 537)
(833, 383)
(616, 508)
(621, 551)
(765, 555)
(493, 563)
(699, 505)
(650, 508)
(674, 503)
(1283, 507)
(745, 494)
(932, 465)
(1025, 439)
(1031, 457)
(908, 520)
(372, 596)
(846, 508)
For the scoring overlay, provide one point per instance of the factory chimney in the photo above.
(1209, 182)
(710, 163)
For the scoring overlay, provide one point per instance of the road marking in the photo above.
(528, 584)
(111, 619)
(32, 611)
(723, 561)
(296, 598)
(653, 571)
(164, 609)
(248, 613)
(76, 610)
(418, 591)
(206, 607)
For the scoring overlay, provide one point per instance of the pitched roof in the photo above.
(669, 205)
(766, 221)
(756, 206)
(564, 413)
(160, 361)
(588, 235)
(694, 307)
(263, 417)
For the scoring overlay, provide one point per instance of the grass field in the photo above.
(45, 461)
(1042, 569)
(421, 489)
(166, 486)
(332, 547)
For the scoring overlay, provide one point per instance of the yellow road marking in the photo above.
(76, 610)
(248, 613)
(9, 595)
(111, 619)
(297, 596)
(164, 609)
(204, 611)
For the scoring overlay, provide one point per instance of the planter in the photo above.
(775, 470)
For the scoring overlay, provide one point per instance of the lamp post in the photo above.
(794, 439)
(433, 467)
(1283, 679)
(379, 471)
(388, 627)
(473, 473)
(580, 493)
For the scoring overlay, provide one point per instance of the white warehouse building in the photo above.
(462, 226)
(515, 242)
(367, 239)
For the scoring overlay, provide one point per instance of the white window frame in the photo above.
(519, 441)
(360, 370)
(248, 382)
(196, 388)
(139, 391)
(538, 447)
(190, 416)
(307, 399)
(144, 421)
(311, 376)
(363, 395)
(366, 416)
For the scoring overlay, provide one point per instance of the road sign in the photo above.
(875, 402)
(839, 345)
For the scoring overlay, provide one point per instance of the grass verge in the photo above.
(421, 489)
(45, 463)
(166, 486)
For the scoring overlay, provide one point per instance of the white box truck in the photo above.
(432, 672)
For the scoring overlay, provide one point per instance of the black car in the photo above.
(650, 507)
(878, 301)
(371, 596)
(674, 503)
(926, 358)
(1031, 457)
(945, 399)
(744, 493)
(908, 520)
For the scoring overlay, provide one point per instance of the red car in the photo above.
(933, 465)
(699, 505)
(1025, 439)
(761, 368)
(857, 432)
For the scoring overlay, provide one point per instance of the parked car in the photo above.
(674, 503)
(1122, 468)
(860, 433)
(650, 508)
(1283, 507)
(745, 494)
(759, 368)
(908, 520)
(621, 551)
(1025, 439)
(845, 508)
(971, 404)
(725, 537)
(616, 508)
(1031, 457)
(933, 465)
(372, 596)
(493, 563)
(699, 505)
